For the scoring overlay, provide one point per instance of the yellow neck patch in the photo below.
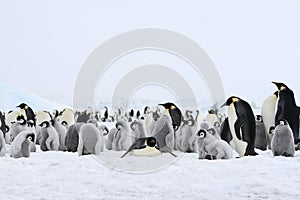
(282, 88)
(234, 100)
(172, 107)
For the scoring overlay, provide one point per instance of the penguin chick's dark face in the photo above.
(30, 137)
(151, 142)
(282, 122)
(23, 106)
(280, 86)
(259, 118)
(21, 120)
(201, 134)
(230, 100)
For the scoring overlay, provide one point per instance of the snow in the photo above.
(64, 175)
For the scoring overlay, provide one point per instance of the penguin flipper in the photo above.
(238, 127)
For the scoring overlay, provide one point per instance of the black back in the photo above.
(287, 109)
(246, 122)
(225, 131)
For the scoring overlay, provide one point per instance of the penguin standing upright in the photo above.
(268, 115)
(175, 114)
(29, 112)
(287, 109)
(242, 126)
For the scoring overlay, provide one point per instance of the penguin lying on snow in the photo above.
(282, 143)
(91, 140)
(242, 126)
(208, 146)
(20, 147)
(145, 147)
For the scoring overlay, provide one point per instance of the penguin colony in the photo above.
(164, 128)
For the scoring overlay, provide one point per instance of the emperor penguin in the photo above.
(122, 138)
(72, 137)
(2, 144)
(211, 117)
(225, 132)
(260, 138)
(287, 109)
(41, 116)
(66, 117)
(175, 114)
(282, 143)
(208, 146)
(4, 128)
(137, 130)
(163, 131)
(17, 127)
(91, 140)
(49, 139)
(20, 147)
(61, 131)
(144, 147)
(268, 115)
(29, 112)
(11, 117)
(242, 126)
(110, 138)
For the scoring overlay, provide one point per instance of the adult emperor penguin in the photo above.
(242, 126)
(268, 115)
(29, 112)
(144, 147)
(175, 114)
(286, 108)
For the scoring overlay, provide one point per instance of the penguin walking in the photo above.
(242, 126)
(287, 109)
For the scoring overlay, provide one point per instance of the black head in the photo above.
(259, 118)
(281, 122)
(271, 130)
(21, 119)
(151, 142)
(230, 100)
(201, 134)
(280, 86)
(30, 137)
(23, 106)
(211, 112)
(45, 124)
(217, 124)
(169, 106)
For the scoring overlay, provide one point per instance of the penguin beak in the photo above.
(277, 84)
(225, 104)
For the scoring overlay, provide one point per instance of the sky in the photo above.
(43, 44)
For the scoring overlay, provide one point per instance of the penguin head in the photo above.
(259, 118)
(30, 123)
(21, 119)
(271, 130)
(211, 112)
(30, 137)
(151, 142)
(168, 106)
(44, 124)
(217, 124)
(201, 134)
(23, 106)
(280, 86)
(282, 122)
(230, 100)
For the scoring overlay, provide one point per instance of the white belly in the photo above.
(239, 145)
(148, 151)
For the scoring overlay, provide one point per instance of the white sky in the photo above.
(44, 43)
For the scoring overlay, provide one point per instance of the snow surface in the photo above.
(64, 175)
